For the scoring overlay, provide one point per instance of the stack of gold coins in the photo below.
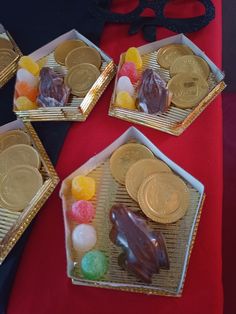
(19, 170)
(189, 74)
(161, 195)
(83, 64)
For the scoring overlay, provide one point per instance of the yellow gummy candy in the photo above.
(29, 64)
(124, 100)
(133, 55)
(23, 103)
(83, 188)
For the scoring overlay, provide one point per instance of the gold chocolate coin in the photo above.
(65, 47)
(83, 55)
(163, 197)
(5, 43)
(139, 171)
(167, 55)
(19, 186)
(124, 157)
(13, 137)
(19, 154)
(6, 57)
(190, 65)
(187, 90)
(81, 77)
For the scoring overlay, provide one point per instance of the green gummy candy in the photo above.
(94, 265)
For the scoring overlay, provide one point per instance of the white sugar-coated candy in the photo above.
(124, 85)
(84, 237)
(26, 76)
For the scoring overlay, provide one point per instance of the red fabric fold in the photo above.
(41, 284)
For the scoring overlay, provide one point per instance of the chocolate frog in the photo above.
(144, 250)
(153, 95)
(52, 90)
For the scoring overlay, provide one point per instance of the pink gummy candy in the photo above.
(82, 211)
(129, 69)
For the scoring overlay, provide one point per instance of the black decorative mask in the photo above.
(149, 24)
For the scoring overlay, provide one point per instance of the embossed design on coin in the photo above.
(190, 65)
(15, 155)
(167, 55)
(81, 77)
(19, 186)
(125, 156)
(164, 197)
(13, 137)
(187, 89)
(83, 55)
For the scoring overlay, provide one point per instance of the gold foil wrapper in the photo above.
(179, 236)
(9, 71)
(77, 108)
(175, 120)
(13, 224)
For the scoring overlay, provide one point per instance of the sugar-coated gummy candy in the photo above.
(23, 103)
(84, 237)
(94, 265)
(129, 69)
(26, 76)
(133, 55)
(24, 89)
(83, 188)
(82, 211)
(124, 85)
(124, 100)
(29, 64)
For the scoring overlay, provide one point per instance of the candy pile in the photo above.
(94, 263)
(128, 75)
(40, 86)
(152, 95)
(37, 87)
(146, 91)
(26, 88)
(19, 170)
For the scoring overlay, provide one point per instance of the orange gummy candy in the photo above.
(24, 89)
(83, 188)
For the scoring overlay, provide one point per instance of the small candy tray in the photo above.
(179, 236)
(175, 120)
(7, 73)
(77, 108)
(12, 223)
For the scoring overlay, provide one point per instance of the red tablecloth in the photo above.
(41, 284)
